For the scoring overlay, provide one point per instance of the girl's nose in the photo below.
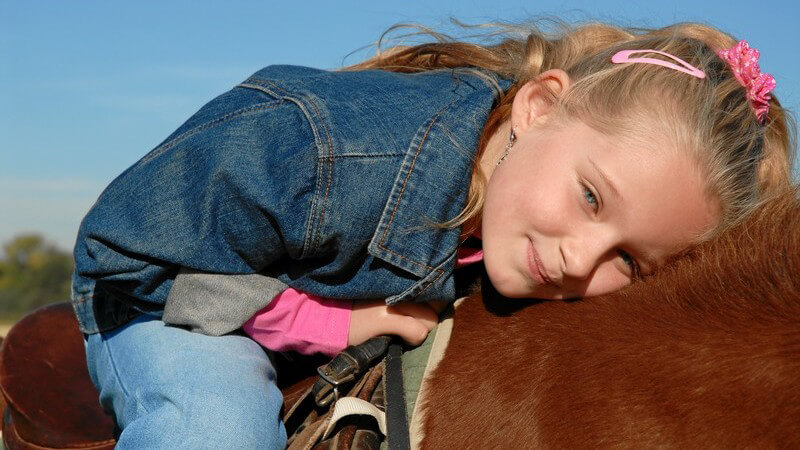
(580, 256)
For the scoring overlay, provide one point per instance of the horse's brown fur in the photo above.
(705, 354)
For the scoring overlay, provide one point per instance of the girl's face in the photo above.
(572, 212)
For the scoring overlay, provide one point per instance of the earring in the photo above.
(511, 139)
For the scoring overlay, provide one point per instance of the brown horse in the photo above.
(706, 354)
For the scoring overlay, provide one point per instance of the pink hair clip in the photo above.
(743, 61)
(624, 57)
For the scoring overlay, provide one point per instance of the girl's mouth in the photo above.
(536, 268)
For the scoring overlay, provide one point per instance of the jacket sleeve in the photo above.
(217, 304)
(230, 192)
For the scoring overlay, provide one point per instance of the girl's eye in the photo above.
(590, 198)
(631, 263)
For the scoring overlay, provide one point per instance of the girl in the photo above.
(582, 161)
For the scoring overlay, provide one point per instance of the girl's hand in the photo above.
(410, 321)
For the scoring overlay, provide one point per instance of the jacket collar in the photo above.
(432, 184)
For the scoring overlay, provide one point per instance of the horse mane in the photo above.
(705, 353)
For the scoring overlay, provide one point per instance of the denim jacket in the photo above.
(326, 181)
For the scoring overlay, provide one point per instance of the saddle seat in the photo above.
(51, 401)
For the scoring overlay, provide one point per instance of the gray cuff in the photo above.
(216, 304)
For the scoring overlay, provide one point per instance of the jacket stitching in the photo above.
(284, 94)
(431, 282)
(330, 175)
(362, 155)
(400, 196)
(402, 189)
(178, 139)
(274, 86)
(329, 158)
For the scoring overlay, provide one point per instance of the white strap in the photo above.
(348, 406)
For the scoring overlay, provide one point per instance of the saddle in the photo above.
(52, 403)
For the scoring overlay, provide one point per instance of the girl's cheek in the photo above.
(607, 279)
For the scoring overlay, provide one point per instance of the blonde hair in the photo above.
(743, 161)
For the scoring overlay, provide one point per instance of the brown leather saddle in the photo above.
(51, 402)
(48, 399)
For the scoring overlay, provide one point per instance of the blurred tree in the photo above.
(32, 273)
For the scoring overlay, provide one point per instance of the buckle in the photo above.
(348, 366)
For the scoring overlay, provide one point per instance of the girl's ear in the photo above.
(535, 99)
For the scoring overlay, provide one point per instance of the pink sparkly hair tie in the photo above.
(743, 61)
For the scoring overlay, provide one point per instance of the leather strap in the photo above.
(347, 367)
(396, 419)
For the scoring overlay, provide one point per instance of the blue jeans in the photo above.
(167, 387)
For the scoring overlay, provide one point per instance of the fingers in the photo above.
(413, 321)
(412, 330)
(421, 311)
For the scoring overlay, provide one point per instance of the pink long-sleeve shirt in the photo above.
(306, 323)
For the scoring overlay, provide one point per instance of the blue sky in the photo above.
(88, 87)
